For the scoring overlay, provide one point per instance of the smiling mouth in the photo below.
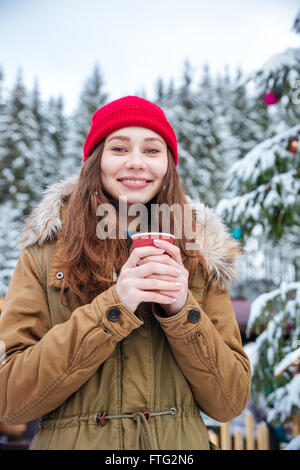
(134, 181)
(135, 184)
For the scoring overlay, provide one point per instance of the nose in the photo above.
(135, 160)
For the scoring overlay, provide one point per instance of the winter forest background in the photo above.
(239, 154)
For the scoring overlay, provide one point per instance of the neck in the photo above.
(122, 209)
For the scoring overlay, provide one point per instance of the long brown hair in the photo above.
(89, 261)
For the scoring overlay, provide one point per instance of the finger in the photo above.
(156, 268)
(171, 249)
(164, 259)
(166, 277)
(163, 277)
(157, 284)
(168, 293)
(141, 252)
(157, 298)
(174, 293)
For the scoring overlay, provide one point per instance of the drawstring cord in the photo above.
(142, 418)
(143, 433)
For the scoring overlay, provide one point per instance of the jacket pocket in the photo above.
(202, 344)
(202, 349)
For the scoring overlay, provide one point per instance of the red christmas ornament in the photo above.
(293, 144)
(271, 97)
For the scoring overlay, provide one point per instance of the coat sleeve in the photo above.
(40, 365)
(207, 346)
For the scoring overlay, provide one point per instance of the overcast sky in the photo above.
(136, 41)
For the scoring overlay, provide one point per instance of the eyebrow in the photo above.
(124, 137)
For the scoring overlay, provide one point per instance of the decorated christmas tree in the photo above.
(264, 203)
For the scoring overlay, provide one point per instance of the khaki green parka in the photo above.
(102, 377)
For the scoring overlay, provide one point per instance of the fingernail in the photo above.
(157, 242)
(178, 271)
(178, 284)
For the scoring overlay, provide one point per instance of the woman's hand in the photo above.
(173, 258)
(135, 285)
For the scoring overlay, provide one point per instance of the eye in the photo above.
(116, 149)
(153, 151)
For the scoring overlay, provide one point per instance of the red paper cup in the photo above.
(147, 238)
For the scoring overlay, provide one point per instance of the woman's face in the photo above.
(133, 164)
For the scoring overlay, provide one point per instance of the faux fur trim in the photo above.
(43, 224)
(219, 249)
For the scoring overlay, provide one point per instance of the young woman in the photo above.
(115, 347)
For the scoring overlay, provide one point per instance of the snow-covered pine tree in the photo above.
(296, 24)
(42, 162)
(278, 312)
(18, 134)
(91, 98)
(241, 114)
(170, 88)
(179, 105)
(212, 145)
(18, 184)
(264, 186)
(56, 141)
(187, 116)
(9, 231)
(36, 106)
(159, 89)
(201, 133)
(265, 202)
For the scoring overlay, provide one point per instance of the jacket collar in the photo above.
(220, 250)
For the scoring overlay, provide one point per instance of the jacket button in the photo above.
(194, 316)
(59, 275)
(113, 314)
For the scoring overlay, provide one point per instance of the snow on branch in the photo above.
(267, 302)
(289, 59)
(291, 358)
(262, 156)
(287, 400)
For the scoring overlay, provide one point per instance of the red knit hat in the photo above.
(129, 111)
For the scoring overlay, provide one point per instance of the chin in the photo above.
(138, 200)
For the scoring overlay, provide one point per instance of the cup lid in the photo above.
(143, 234)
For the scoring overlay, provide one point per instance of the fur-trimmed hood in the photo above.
(220, 250)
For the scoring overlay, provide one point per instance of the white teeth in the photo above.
(134, 181)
